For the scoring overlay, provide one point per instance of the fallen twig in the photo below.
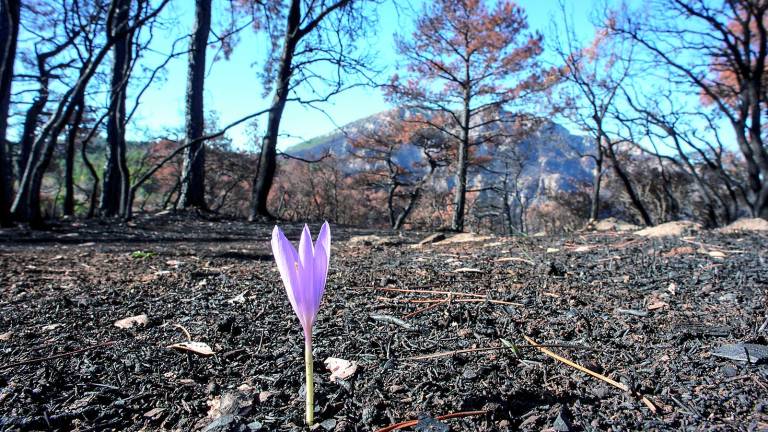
(424, 291)
(610, 381)
(471, 350)
(424, 309)
(56, 356)
(393, 320)
(466, 300)
(516, 259)
(410, 423)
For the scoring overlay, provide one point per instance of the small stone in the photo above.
(727, 297)
(329, 424)
(221, 424)
(255, 426)
(729, 371)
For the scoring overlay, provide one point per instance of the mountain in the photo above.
(549, 155)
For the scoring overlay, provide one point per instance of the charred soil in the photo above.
(647, 312)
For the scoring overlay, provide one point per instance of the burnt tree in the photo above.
(193, 171)
(114, 191)
(467, 62)
(9, 31)
(718, 52)
(315, 36)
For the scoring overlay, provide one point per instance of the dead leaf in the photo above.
(134, 321)
(50, 327)
(681, 250)
(154, 413)
(263, 396)
(6, 336)
(240, 298)
(148, 278)
(199, 348)
(716, 254)
(340, 368)
(174, 263)
(552, 250)
(657, 304)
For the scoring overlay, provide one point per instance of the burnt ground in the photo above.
(646, 312)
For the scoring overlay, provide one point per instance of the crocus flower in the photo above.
(304, 274)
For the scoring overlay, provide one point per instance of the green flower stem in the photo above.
(310, 387)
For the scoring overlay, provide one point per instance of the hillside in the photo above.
(550, 158)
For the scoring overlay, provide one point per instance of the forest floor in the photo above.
(649, 313)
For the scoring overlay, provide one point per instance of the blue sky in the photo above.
(233, 88)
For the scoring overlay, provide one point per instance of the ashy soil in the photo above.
(645, 312)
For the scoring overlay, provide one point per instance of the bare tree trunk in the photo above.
(193, 172)
(636, 202)
(31, 121)
(460, 195)
(93, 200)
(505, 204)
(262, 183)
(414, 197)
(9, 31)
(391, 204)
(597, 178)
(115, 177)
(69, 181)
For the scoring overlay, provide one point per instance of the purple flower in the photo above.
(303, 273)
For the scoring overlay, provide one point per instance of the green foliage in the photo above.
(142, 254)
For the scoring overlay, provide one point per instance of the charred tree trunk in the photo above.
(262, 183)
(414, 197)
(460, 195)
(114, 191)
(628, 187)
(26, 206)
(597, 179)
(193, 173)
(391, 203)
(31, 121)
(93, 200)
(505, 202)
(9, 32)
(69, 181)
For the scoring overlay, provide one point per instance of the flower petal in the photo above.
(322, 261)
(306, 299)
(320, 275)
(286, 259)
(324, 239)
